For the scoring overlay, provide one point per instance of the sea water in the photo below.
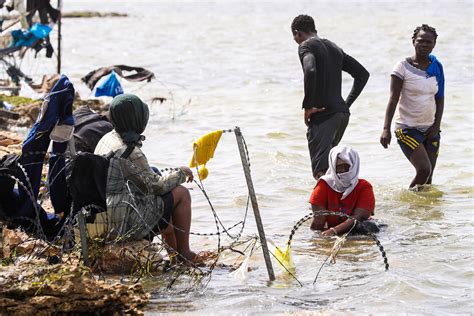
(222, 64)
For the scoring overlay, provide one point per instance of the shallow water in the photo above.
(232, 63)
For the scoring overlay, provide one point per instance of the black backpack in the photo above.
(88, 183)
(8, 169)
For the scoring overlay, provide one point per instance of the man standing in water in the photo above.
(326, 114)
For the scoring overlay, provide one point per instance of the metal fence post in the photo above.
(253, 199)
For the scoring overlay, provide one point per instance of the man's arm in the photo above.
(360, 75)
(309, 70)
(309, 101)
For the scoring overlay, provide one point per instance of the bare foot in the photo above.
(198, 259)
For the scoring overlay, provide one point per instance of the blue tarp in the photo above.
(28, 38)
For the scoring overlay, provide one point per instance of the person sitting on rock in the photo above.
(140, 201)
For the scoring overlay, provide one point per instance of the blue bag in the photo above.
(111, 87)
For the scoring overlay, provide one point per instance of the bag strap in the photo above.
(127, 151)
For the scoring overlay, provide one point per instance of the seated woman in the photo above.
(341, 190)
(141, 202)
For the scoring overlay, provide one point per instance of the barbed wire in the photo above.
(332, 213)
(182, 267)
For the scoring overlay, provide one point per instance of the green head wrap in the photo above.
(129, 115)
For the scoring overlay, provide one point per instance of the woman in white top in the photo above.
(417, 87)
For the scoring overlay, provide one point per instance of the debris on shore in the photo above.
(25, 110)
(10, 142)
(33, 280)
(93, 14)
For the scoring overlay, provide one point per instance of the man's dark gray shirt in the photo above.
(323, 77)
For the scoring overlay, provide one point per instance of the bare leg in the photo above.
(169, 237)
(181, 217)
(420, 160)
(433, 157)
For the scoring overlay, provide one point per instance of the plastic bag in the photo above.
(111, 87)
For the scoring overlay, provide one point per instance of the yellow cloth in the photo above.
(203, 151)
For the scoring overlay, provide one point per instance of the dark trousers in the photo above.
(20, 205)
(322, 137)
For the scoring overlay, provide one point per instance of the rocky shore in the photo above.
(37, 277)
(36, 287)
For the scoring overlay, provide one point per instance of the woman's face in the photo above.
(342, 166)
(424, 43)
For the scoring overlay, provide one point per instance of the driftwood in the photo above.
(12, 90)
(158, 99)
(93, 14)
(9, 114)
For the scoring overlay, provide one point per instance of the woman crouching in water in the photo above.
(341, 190)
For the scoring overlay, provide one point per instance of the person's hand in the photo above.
(385, 138)
(310, 111)
(188, 173)
(329, 232)
(432, 131)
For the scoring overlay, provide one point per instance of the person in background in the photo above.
(141, 202)
(417, 87)
(326, 113)
(341, 190)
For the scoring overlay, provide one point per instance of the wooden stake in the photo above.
(253, 199)
(80, 216)
(9, 114)
(83, 235)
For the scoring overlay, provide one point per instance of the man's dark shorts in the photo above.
(322, 137)
(410, 138)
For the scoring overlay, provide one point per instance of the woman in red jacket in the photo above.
(341, 190)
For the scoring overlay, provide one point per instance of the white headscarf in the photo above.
(343, 182)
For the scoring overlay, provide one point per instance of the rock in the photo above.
(46, 84)
(94, 104)
(44, 290)
(20, 243)
(28, 113)
(127, 257)
(28, 109)
(9, 138)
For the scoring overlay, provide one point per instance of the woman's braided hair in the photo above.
(426, 28)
